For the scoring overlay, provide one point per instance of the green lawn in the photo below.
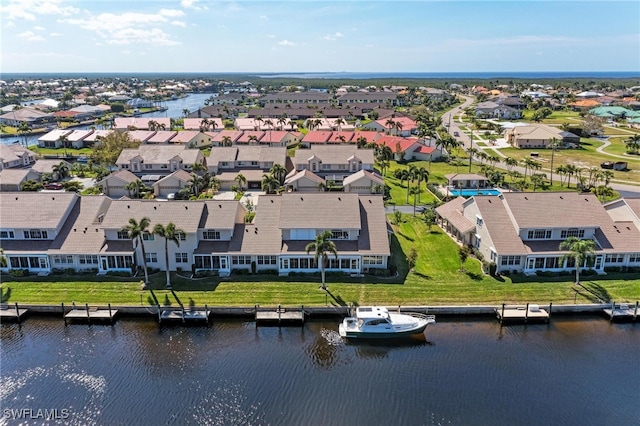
(436, 280)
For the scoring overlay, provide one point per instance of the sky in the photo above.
(311, 36)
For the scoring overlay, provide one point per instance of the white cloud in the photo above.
(39, 28)
(171, 13)
(189, 4)
(28, 9)
(179, 24)
(271, 36)
(154, 36)
(263, 17)
(55, 34)
(333, 37)
(130, 27)
(30, 36)
(286, 43)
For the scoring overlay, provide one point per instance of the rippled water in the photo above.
(571, 372)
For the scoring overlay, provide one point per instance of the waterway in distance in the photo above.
(573, 371)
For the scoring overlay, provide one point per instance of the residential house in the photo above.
(304, 181)
(467, 181)
(280, 138)
(141, 123)
(407, 149)
(406, 126)
(96, 136)
(538, 136)
(159, 160)
(47, 167)
(295, 98)
(515, 231)
(15, 155)
(315, 137)
(490, 109)
(11, 180)
(115, 185)
(141, 135)
(77, 137)
(250, 161)
(33, 117)
(204, 124)
(171, 184)
(191, 139)
(625, 210)
(387, 99)
(161, 137)
(334, 162)
(218, 138)
(363, 182)
(250, 137)
(54, 139)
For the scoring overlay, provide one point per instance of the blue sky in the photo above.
(299, 36)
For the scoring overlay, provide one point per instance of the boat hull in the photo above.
(352, 334)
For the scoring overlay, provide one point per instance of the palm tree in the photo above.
(571, 170)
(135, 188)
(226, 141)
(24, 130)
(279, 172)
(422, 174)
(282, 121)
(185, 112)
(61, 170)
(339, 122)
(169, 233)
(580, 250)
(391, 124)
(553, 144)
(322, 247)
(253, 139)
(195, 183)
(361, 142)
(270, 184)
(633, 144)
(135, 230)
(204, 124)
(471, 152)
(214, 183)
(241, 180)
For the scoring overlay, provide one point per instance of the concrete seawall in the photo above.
(312, 311)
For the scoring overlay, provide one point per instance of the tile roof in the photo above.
(184, 136)
(305, 174)
(162, 136)
(140, 135)
(185, 215)
(220, 214)
(333, 154)
(320, 211)
(262, 236)
(452, 212)
(317, 136)
(44, 211)
(363, 174)
(497, 219)
(14, 176)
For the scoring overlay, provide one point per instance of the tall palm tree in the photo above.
(24, 130)
(422, 174)
(510, 163)
(135, 230)
(322, 247)
(185, 112)
(270, 184)
(135, 188)
(279, 172)
(241, 180)
(339, 122)
(579, 251)
(390, 124)
(169, 233)
(633, 144)
(195, 183)
(226, 141)
(61, 170)
(553, 144)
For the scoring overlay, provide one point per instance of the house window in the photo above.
(63, 260)
(148, 166)
(88, 259)
(211, 235)
(614, 258)
(181, 236)
(572, 232)
(634, 257)
(151, 257)
(479, 221)
(539, 234)
(35, 234)
(7, 235)
(267, 260)
(182, 257)
(337, 234)
(372, 260)
(123, 235)
(494, 255)
(147, 236)
(241, 260)
(510, 260)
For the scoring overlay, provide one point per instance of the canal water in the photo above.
(570, 372)
(175, 109)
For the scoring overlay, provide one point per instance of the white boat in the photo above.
(378, 323)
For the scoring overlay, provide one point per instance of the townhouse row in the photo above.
(66, 231)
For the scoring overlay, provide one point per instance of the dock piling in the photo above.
(64, 315)
(502, 314)
(88, 316)
(635, 311)
(526, 313)
(18, 313)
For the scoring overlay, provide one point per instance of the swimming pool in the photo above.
(472, 192)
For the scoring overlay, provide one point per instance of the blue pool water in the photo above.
(472, 192)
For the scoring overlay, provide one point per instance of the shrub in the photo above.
(118, 274)
(269, 272)
(69, 271)
(19, 272)
(240, 271)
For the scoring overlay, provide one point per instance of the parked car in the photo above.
(53, 186)
(456, 134)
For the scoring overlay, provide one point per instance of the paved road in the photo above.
(624, 189)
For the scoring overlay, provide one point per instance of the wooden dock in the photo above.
(280, 316)
(528, 313)
(183, 316)
(12, 313)
(622, 312)
(90, 314)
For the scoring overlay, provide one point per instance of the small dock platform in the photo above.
(280, 316)
(12, 313)
(622, 312)
(90, 314)
(183, 316)
(528, 313)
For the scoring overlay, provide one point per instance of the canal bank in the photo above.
(319, 312)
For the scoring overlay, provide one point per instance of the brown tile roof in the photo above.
(452, 212)
(373, 235)
(320, 211)
(220, 214)
(82, 234)
(262, 236)
(555, 209)
(185, 215)
(496, 218)
(46, 210)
